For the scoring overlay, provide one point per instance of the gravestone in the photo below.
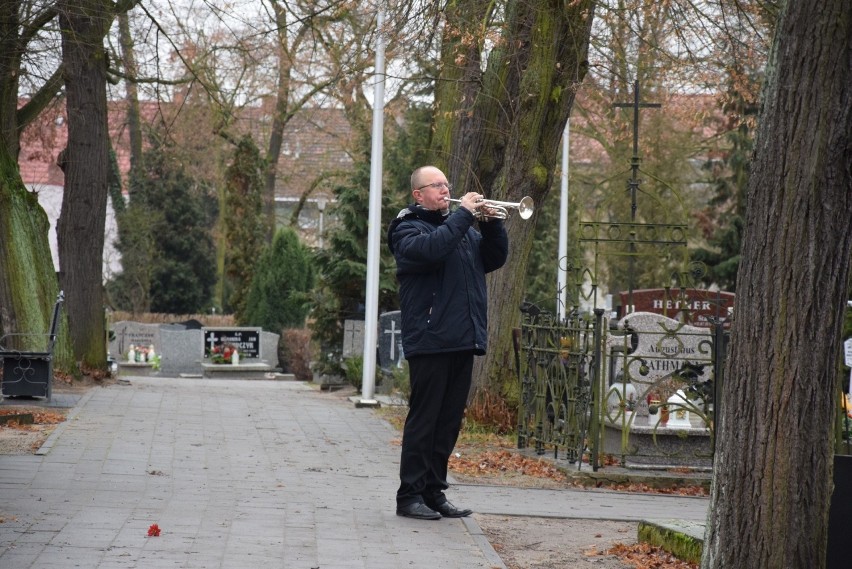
(390, 340)
(253, 345)
(182, 352)
(181, 348)
(353, 338)
(694, 306)
(664, 347)
(269, 348)
(127, 333)
(246, 340)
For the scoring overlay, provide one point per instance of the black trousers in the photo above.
(440, 384)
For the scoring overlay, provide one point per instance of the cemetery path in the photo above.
(238, 473)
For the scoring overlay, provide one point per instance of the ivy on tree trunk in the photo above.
(28, 285)
(498, 131)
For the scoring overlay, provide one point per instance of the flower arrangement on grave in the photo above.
(141, 354)
(224, 354)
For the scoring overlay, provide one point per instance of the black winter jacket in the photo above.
(441, 261)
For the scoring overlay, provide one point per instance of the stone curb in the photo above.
(681, 538)
(57, 432)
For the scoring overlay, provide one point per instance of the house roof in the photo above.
(315, 145)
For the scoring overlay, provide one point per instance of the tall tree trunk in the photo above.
(772, 484)
(499, 132)
(80, 229)
(279, 118)
(28, 285)
(134, 120)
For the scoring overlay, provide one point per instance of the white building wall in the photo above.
(50, 199)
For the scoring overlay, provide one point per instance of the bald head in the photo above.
(430, 189)
(422, 173)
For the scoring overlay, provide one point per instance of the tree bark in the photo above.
(28, 285)
(772, 486)
(279, 118)
(85, 161)
(134, 119)
(498, 132)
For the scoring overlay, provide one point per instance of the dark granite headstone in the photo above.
(390, 340)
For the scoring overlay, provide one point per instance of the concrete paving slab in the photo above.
(241, 473)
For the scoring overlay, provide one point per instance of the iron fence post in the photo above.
(594, 435)
(720, 350)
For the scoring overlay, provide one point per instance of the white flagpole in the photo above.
(562, 261)
(374, 222)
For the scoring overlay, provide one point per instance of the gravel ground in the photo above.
(14, 441)
(545, 543)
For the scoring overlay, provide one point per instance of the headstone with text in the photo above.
(664, 358)
(664, 347)
(126, 334)
(245, 340)
(693, 306)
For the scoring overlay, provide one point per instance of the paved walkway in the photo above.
(241, 474)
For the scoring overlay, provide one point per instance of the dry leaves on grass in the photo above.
(40, 417)
(645, 556)
(687, 490)
(501, 462)
(492, 463)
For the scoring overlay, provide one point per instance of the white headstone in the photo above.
(664, 347)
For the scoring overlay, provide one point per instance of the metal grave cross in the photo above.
(633, 183)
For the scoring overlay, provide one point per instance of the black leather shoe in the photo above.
(418, 511)
(447, 510)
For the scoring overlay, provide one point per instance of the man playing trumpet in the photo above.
(441, 263)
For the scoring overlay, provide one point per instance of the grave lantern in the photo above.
(678, 411)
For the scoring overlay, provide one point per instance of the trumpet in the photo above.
(500, 210)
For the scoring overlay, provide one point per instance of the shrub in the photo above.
(401, 383)
(294, 353)
(353, 368)
(284, 274)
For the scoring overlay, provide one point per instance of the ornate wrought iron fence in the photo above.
(644, 392)
(560, 379)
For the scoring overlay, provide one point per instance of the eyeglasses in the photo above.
(438, 186)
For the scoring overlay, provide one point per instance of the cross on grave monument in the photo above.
(211, 339)
(353, 338)
(633, 183)
(390, 340)
(393, 332)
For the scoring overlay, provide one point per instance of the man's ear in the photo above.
(416, 194)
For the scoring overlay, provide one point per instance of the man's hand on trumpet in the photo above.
(471, 201)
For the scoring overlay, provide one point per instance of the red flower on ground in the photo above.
(154, 531)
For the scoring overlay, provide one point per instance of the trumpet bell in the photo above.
(526, 208)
